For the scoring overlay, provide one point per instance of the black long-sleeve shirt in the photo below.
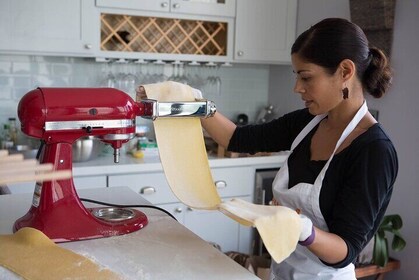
(357, 185)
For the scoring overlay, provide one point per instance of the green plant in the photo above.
(392, 224)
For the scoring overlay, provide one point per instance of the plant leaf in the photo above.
(396, 221)
(380, 255)
(398, 242)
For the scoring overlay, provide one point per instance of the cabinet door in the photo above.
(145, 5)
(194, 7)
(86, 182)
(25, 187)
(46, 26)
(265, 30)
(224, 8)
(213, 226)
(176, 209)
(90, 182)
(152, 186)
(234, 181)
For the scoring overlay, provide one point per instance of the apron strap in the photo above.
(349, 128)
(306, 130)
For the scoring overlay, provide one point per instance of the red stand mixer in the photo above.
(60, 116)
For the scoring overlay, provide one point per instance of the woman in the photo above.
(342, 165)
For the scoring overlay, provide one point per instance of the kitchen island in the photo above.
(164, 249)
(233, 178)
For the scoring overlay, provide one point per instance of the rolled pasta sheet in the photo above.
(182, 150)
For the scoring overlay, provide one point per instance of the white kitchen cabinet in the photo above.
(57, 27)
(176, 209)
(90, 182)
(24, 187)
(194, 7)
(166, 30)
(85, 182)
(212, 226)
(230, 182)
(152, 186)
(265, 31)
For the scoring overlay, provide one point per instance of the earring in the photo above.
(345, 92)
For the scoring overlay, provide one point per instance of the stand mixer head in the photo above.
(60, 116)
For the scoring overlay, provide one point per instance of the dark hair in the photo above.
(332, 40)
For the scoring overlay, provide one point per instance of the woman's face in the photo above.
(320, 90)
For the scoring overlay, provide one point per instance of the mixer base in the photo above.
(82, 224)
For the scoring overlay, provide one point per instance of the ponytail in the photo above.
(378, 75)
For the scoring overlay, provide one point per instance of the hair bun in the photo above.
(377, 76)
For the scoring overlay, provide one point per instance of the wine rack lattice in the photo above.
(162, 35)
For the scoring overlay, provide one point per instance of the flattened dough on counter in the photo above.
(185, 163)
(32, 255)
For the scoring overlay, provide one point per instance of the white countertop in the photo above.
(164, 249)
(104, 165)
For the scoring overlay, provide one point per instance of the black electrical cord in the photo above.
(42, 144)
(128, 206)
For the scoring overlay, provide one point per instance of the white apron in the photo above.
(302, 264)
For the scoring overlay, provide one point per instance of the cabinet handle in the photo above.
(176, 6)
(178, 210)
(147, 190)
(220, 184)
(164, 4)
(240, 53)
(88, 46)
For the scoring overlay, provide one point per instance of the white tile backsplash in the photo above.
(244, 88)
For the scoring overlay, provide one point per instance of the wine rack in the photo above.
(126, 33)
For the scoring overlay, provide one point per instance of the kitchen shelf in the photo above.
(126, 33)
(374, 270)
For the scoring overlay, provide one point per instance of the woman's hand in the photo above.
(140, 93)
(274, 202)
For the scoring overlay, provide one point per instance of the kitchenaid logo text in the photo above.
(176, 109)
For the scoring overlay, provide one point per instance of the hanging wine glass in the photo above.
(129, 80)
(195, 76)
(182, 78)
(120, 75)
(159, 75)
(175, 71)
(109, 80)
(140, 64)
(217, 80)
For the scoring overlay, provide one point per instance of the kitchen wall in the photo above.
(397, 112)
(247, 88)
(244, 88)
(281, 77)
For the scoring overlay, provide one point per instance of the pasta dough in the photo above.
(182, 150)
(278, 226)
(32, 255)
(185, 163)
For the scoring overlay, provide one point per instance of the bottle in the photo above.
(266, 114)
(13, 131)
(6, 142)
